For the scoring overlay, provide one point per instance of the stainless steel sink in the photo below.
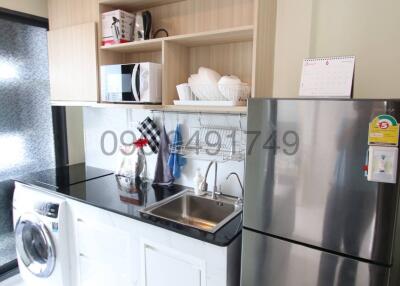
(199, 212)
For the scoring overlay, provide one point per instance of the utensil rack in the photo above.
(217, 143)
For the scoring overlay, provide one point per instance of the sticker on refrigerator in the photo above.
(383, 130)
(382, 164)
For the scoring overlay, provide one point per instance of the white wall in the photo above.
(33, 7)
(99, 120)
(367, 29)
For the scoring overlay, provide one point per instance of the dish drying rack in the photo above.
(213, 143)
(214, 95)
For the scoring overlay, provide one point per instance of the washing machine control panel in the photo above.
(48, 209)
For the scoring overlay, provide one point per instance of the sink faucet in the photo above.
(204, 185)
(240, 200)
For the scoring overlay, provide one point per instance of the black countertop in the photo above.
(104, 191)
(64, 176)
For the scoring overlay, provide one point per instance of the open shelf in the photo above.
(223, 36)
(206, 109)
(210, 33)
(72, 103)
(131, 106)
(175, 108)
(180, 61)
(136, 4)
(139, 46)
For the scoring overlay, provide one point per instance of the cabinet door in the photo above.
(65, 13)
(164, 266)
(73, 63)
(105, 251)
(104, 254)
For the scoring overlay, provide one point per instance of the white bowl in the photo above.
(229, 79)
(195, 80)
(209, 75)
(235, 92)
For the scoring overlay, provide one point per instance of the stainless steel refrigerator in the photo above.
(311, 217)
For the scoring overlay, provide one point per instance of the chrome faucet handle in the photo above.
(215, 193)
(239, 202)
(204, 186)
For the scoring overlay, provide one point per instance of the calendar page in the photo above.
(327, 77)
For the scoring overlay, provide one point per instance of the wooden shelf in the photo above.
(206, 109)
(130, 106)
(176, 108)
(137, 4)
(209, 34)
(140, 46)
(209, 38)
(231, 35)
(72, 103)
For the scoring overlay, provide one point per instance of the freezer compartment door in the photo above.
(305, 177)
(269, 261)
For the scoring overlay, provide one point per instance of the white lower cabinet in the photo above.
(96, 242)
(164, 266)
(112, 249)
(103, 249)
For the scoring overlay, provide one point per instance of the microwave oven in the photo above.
(131, 83)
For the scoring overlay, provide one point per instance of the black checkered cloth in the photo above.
(151, 132)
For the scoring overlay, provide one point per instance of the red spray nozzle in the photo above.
(141, 143)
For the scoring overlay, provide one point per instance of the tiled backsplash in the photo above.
(111, 123)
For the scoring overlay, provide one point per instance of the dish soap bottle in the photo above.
(198, 179)
(139, 159)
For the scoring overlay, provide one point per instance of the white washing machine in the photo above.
(42, 241)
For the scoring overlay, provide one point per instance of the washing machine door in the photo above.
(34, 245)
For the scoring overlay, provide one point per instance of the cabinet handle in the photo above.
(79, 220)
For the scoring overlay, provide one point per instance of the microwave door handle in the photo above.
(135, 81)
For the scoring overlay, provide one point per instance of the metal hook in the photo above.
(152, 114)
(163, 117)
(199, 118)
(240, 122)
(177, 118)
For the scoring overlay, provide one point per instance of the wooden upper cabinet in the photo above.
(73, 63)
(65, 13)
(264, 48)
(230, 36)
